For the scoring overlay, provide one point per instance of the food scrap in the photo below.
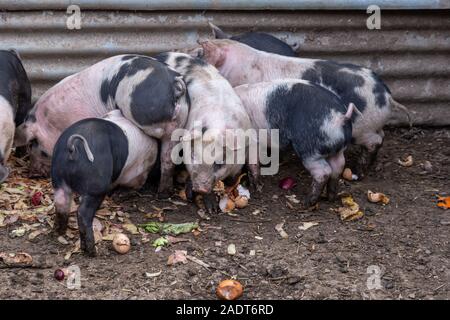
(376, 197)
(350, 211)
(121, 243)
(443, 202)
(287, 183)
(235, 196)
(229, 290)
(169, 228)
(406, 161)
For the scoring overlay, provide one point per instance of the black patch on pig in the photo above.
(179, 61)
(2, 157)
(31, 117)
(153, 100)
(380, 89)
(109, 146)
(265, 42)
(162, 57)
(299, 113)
(337, 78)
(129, 68)
(15, 86)
(128, 57)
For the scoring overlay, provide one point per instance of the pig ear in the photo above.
(179, 87)
(217, 32)
(20, 136)
(15, 52)
(212, 53)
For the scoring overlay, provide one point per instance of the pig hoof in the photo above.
(310, 201)
(211, 205)
(90, 251)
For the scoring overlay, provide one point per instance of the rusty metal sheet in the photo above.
(410, 52)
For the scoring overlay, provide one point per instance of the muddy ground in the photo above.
(408, 239)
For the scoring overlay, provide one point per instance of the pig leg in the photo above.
(88, 207)
(211, 204)
(337, 164)
(167, 169)
(63, 199)
(189, 191)
(254, 177)
(370, 145)
(320, 171)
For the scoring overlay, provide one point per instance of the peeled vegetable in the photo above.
(226, 204)
(241, 202)
(121, 243)
(406, 162)
(287, 183)
(376, 197)
(229, 290)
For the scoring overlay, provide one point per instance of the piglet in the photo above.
(241, 64)
(91, 158)
(311, 119)
(15, 102)
(258, 40)
(215, 114)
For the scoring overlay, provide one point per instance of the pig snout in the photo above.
(202, 183)
(4, 172)
(201, 189)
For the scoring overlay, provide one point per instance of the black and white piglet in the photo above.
(15, 101)
(310, 118)
(258, 40)
(92, 157)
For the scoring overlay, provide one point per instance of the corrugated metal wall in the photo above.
(410, 52)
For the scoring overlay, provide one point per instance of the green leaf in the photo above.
(169, 228)
(160, 242)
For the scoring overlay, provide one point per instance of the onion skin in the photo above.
(287, 183)
(229, 290)
(241, 202)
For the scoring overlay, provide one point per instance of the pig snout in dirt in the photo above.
(15, 102)
(146, 91)
(215, 109)
(241, 64)
(91, 158)
(154, 99)
(310, 118)
(258, 40)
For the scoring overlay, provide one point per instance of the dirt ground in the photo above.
(408, 240)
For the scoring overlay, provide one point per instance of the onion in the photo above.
(241, 202)
(229, 290)
(121, 243)
(287, 183)
(59, 274)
